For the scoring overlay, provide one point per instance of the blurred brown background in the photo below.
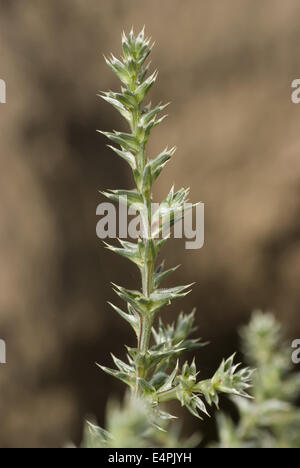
(227, 67)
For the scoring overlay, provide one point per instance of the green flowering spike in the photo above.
(136, 424)
(270, 419)
(175, 338)
(226, 380)
(185, 390)
(262, 338)
(153, 371)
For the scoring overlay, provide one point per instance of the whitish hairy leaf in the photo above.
(131, 318)
(126, 155)
(124, 377)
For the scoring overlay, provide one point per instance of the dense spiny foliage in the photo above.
(152, 370)
(271, 419)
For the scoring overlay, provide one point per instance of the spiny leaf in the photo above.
(126, 98)
(146, 386)
(122, 366)
(155, 301)
(124, 377)
(145, 86)
(132, 319)
(131, 198)
(118, 68)
(125, 140)
(157, 357)
(131, 254)
(126, 155)
(162, 275)
(169, 382)
(171, 293)
(149, 115)
(117, 105)
(160, 161)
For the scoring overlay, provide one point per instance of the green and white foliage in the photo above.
(271, 419)
(152, 369)
(132, 425)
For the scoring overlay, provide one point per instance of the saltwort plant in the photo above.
(152, 370)
(271, 419)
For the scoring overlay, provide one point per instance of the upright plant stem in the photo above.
(146, 322)
(152, 371)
